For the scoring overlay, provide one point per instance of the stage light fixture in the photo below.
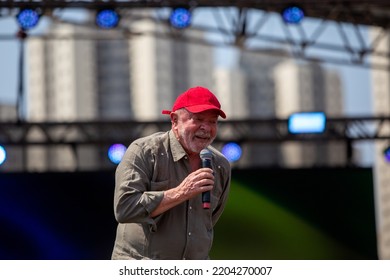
(293, 14)
(107, 18)
(307, 122)
(386, 154)
(180, 18)
(232, 151)
(116, 153)
(3, 155)
(28, 18)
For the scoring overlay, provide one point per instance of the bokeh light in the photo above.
(116, 153)
(180, 18)
(3, 155)
(232, 151)
(107, 19)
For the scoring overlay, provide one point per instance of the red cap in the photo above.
(196, 100)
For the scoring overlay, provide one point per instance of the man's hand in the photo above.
(199, 181)
(195, 183)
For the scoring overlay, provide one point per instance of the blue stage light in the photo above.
(180, 18)
(293, 14)
(107, 18)
(232, 151)
(386, 153)
(3, 155)
(308, 122)
(27, 18)
(116, 153)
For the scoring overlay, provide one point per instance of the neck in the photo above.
(194, 161)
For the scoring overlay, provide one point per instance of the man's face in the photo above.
(195, 131)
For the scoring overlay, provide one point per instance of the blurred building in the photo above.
(76, 77)
(308, 87)
(275, 87)
(73, 77)
(162, 67)
(62, 87)
(230, 88)
(8, 113)
(113, 79)
(260, 94)
(14, 160)
(381, 169)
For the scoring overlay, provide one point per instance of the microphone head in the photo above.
(205, 154)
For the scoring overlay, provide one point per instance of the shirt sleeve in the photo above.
(134, 199)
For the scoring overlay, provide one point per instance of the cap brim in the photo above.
(202, 108)
(166, 112)
(198, 109)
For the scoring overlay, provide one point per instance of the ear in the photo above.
(174, 117)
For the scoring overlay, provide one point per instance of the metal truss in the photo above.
(250, 25)
(362, 11)
(241, 131)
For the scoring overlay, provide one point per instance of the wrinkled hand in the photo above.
(199, 181)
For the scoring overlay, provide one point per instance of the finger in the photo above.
(206, 182)
(204, 176)
(207, 188)
(205, 169)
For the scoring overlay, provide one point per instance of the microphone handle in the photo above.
(206, 163)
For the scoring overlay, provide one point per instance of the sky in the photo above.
(356, 80)
(8, 64)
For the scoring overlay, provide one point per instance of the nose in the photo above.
(205, 126)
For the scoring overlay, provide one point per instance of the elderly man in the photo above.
(160, 181)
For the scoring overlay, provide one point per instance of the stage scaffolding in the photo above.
(241, 131)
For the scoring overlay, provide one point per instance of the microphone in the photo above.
(205, 156)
